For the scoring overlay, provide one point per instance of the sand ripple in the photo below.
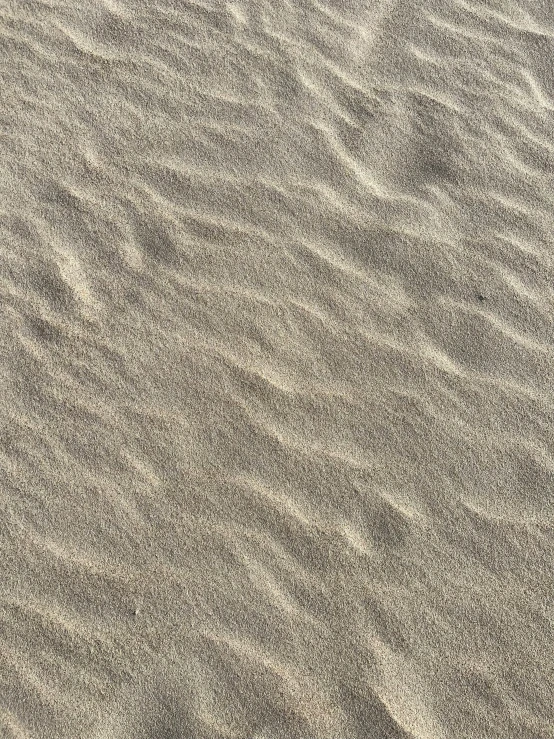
(277, 357)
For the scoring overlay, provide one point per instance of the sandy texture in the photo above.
(276, 422)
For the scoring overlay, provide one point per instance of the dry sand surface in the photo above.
(276, 421)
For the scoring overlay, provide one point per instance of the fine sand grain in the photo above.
(277, 369)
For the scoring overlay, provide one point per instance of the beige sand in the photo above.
(276, 441)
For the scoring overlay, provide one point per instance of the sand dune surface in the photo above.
(277, 359)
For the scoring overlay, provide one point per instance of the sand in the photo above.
(277, 359)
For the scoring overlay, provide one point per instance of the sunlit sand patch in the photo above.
(238, 13)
